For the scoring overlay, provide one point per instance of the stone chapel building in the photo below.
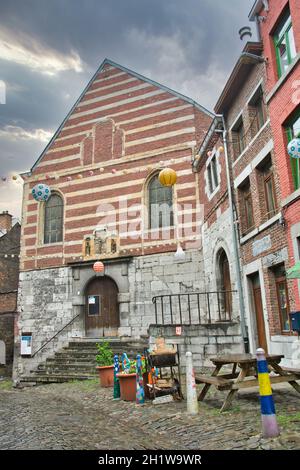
(106, 204)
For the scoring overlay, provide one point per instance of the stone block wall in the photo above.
(203, 341)
(7, 341)
(161, 274)
(44, 307)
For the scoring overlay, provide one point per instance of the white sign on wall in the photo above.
(26, 345)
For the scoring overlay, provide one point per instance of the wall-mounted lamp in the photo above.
(282, 220)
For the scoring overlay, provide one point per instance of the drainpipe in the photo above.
(235, 243)
(257, 28)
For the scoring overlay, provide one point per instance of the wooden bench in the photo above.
(220, 382)
(291, 370)
(247, 376)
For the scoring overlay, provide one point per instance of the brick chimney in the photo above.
(5, 221)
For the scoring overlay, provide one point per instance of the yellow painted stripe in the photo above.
(264, 384)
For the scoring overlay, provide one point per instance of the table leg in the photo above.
(281, 372)
(206, 387)
(230, 395)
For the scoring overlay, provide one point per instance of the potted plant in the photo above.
(105, 368)
(127, 380)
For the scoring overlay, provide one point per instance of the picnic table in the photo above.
(244, 375)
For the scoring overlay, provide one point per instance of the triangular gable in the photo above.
(130, 72)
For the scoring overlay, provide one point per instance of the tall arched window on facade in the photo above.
(224, 284)
(160, 204)
(53, 226)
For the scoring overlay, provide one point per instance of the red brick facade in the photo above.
(283, 97)
(122, 130)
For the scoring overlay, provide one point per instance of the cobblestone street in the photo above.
(81, 415)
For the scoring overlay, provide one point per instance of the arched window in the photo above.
(160, 204)
(224, 284)
(53, 226)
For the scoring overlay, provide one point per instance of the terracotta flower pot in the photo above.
(127, 386)
(106, 375)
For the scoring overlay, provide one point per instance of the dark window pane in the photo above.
(53, 225)
(160, 204)
(214, 171)
(271, 207)
(283, 305)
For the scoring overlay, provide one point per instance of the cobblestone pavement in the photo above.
(81, 415)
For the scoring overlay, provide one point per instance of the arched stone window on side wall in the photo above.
(53, 219)
(224, 285)
(160, 205)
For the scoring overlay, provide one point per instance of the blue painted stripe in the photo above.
(262, 366)
(267, 405)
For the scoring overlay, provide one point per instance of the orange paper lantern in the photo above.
(167, 177)
(98, 267)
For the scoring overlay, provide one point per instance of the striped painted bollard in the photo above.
(140, 393)
(191, 393)
(268, 414)
(116, 380)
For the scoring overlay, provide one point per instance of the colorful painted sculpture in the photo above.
(140, 393)
(116, 380)
(125, 363)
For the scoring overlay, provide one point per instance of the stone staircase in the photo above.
(77, 360)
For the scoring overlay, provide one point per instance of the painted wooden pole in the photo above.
(125, 363)
(140, 393)
(116, 380)
(191, 393)
(268, 413)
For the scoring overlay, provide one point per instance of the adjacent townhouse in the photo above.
(10, 231)
(278, 25)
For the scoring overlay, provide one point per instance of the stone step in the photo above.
(59, 378)
(68, 372)
(71, 366)
(84, 353)
(71, 360)
(113, 344)
(77, 361)
(115, 347)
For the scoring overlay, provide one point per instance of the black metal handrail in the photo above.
(56, 334)
(223, 301)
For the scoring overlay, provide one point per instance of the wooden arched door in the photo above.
(102, 308)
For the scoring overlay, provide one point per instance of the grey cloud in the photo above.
(188, 45)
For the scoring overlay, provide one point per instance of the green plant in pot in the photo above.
(105, 367)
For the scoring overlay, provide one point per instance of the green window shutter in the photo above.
(278, 60)
(282, 38)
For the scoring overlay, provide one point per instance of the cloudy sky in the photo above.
(49, 49)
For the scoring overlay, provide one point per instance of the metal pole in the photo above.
(191, 394)
(235, 244)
